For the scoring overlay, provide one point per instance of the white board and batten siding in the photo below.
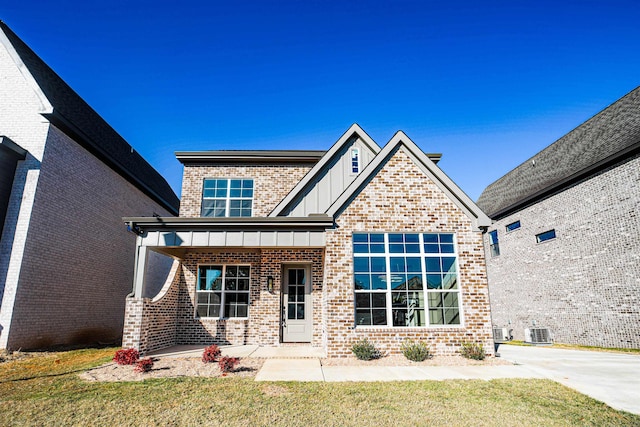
(332, 181)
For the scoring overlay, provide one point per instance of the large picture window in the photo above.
(223, 291)
(227, 197)
(405, 279)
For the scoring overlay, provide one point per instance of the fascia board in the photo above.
(354, 129)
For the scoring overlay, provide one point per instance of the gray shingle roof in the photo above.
(608, 136)
(74, 116)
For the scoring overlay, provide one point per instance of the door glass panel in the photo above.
(296, 294)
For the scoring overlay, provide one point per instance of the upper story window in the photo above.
(513, 226)
(355, 160)
(493, 243)
(405, 279)
(227, 197)
(547, 235)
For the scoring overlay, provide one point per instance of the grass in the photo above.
(578, 347)
(46, 390)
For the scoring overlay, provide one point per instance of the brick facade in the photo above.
(170, 318)
(399, 198)
(585, 284)
(78, 257)
(271, 184)
(66, 259)
(415, 204)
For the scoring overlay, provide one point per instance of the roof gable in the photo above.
(64, 108)
(401, 141)
(355, 134)
(607, 137)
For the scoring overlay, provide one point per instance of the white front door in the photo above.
(297, 319)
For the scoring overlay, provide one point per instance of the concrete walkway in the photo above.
(312, 370)
(613, 378)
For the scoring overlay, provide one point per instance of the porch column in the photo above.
(142, 258)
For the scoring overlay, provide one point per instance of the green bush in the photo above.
(365, 350)
(472, 350)
(416, 351)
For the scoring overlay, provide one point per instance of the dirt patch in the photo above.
(10, 356)
(171, 367)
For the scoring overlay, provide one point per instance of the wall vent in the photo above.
(537, 336)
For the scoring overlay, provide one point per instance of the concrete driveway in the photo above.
(613, 378)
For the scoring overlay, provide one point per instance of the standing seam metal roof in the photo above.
(609, 135)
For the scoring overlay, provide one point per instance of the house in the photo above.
(66, 180)
(564, 250)
(316, 248)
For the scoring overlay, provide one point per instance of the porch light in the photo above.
(270, 283)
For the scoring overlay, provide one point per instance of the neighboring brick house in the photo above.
(320, 248)
(66, 180)
(564, 249)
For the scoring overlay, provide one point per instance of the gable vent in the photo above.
(537, 336)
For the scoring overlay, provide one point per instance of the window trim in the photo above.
(539, 235)
(222, 291)
(422, 255)
(354, 166)
(511, 230)
(228, 197)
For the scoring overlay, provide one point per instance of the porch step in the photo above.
(285, 351)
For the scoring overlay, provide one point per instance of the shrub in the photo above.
(211, 354)
(144, 365)
(227, 364)
(472, 350)
(365, 350)
(126, 357)
(416, 351)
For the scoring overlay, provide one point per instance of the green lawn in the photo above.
(47, 391)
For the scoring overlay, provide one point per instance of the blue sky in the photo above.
(488, 84)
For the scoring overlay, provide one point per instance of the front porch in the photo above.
(230, 285)
(255, 351)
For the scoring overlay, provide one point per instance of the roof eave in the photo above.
(570, 180)
(78, 135)
(251, 223)
(258, 156)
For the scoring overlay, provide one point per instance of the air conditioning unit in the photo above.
(537, 336)
(501, 335)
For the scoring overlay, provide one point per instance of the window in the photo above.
(223, 291)
(493, 243)
(547, 235)
(513, 226)
(355, 160)
(227, 198)
(405, 279)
